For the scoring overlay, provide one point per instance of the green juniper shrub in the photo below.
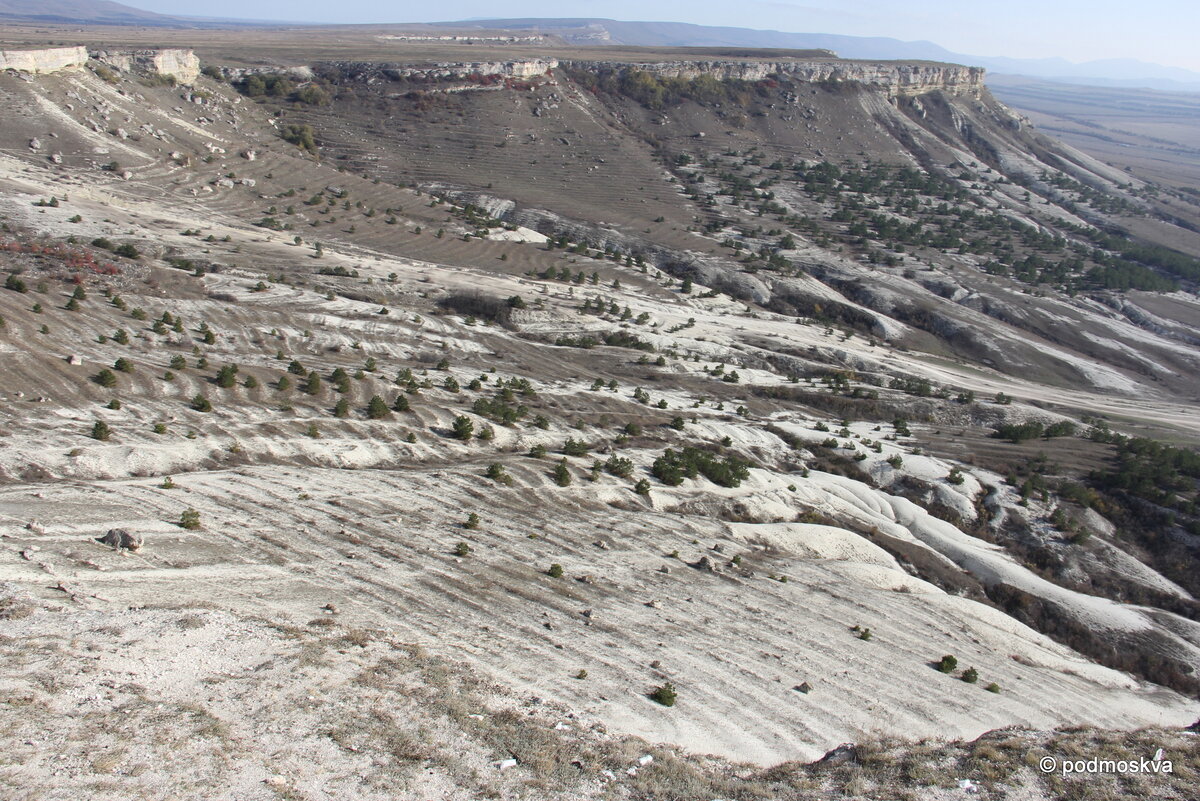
(664, 694)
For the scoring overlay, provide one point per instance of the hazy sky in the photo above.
(1159, 31)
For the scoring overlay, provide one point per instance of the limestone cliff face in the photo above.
(47, 60)
(897, 78)
(182, 65)
(520, 69)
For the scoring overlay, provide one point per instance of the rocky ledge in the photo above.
(896, 77)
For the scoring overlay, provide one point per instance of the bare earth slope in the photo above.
(654, 407)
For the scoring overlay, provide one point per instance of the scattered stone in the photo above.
(56, 158)
(35, 527)
(656, 664)
(121, 539)
(803, 687)
(249, 155)
(75, 359)
(705, 564)
(505, 764)
(35, 144)
(844, 754)
(275, 781)
(664, 569)
(656, 604)
(645, 759)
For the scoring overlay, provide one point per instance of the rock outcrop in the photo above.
(52, 59)
(182, 65)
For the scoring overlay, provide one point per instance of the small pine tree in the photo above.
(105, 378)
(400, 404)
(947, 664)
(463, 428)
(642, 487)
(312, 384)
(341, 408)
(970, 675)
(201, 403)
(472, 521)
(555, 571)
(189, 519)
(377, 408)
(462, 549)
(562, 474)
(497, 473)
(100, 430)
(227, 376)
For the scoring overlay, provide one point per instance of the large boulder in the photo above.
(121, 539)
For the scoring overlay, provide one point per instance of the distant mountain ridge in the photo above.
(95, 11)
(596, 31)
